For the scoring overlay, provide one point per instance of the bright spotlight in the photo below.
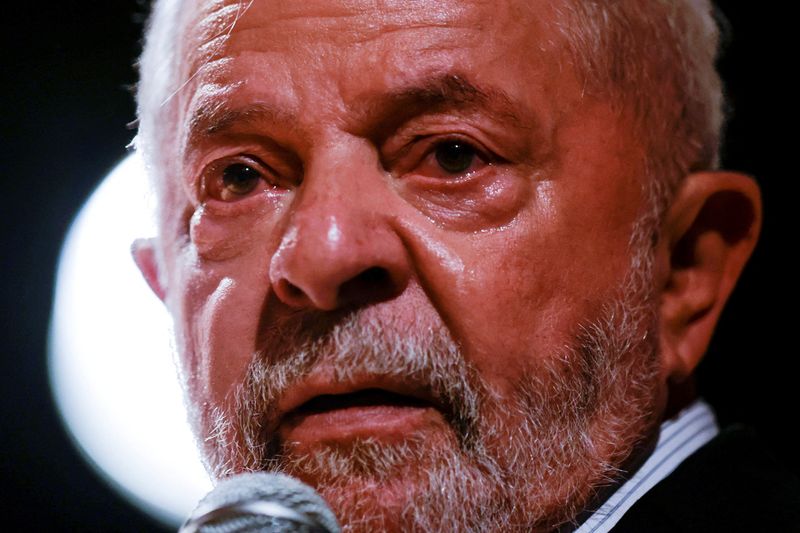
(111, 366)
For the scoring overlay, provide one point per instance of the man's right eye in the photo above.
(239, 179)
(230, 180)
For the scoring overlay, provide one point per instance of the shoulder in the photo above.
(731, 484)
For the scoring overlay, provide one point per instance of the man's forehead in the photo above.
(215, 18)
(384, 43)
(278, 23)
(422, 40)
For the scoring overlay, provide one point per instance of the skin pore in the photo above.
(410, 260)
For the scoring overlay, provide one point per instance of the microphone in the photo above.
(261, 503)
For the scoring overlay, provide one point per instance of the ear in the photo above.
(708, 235)
(144, 255)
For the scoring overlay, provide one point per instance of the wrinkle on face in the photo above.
(214, 238)
(211, 313)
(350, 22)
(508, 261)
(482, 204)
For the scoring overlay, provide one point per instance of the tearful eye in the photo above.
(242, 177)
(239, 179)
(455, 157)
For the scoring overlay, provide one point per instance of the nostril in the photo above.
(374, 276)
(294, 291)
(373, 284)
(291, 293)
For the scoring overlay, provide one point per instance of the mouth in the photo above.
(363, 398)
(372, 412)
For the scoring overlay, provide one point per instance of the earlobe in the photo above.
(708, 235)
(144, 254)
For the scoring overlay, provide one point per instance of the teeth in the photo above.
(367, 397)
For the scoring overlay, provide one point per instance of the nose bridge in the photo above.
(339, 247)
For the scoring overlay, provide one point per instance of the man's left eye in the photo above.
(451, 158)
(455, 157)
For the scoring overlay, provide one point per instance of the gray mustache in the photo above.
(357, 345)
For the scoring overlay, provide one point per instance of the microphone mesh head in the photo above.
(260, 486)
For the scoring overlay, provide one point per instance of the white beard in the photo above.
(531, 463)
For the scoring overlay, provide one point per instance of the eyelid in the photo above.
(211, 174)
(482, 152)
(278, 163)
(416, 150)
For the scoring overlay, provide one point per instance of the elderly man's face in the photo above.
(404, 239)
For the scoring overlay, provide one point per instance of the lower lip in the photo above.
(383, 422)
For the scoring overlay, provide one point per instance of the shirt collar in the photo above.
(679, 437)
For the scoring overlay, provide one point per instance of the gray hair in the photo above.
(657, 58)
(160, 72)
(653, 57)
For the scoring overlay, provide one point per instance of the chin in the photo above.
(425, 483)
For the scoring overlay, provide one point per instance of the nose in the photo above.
(339, 248)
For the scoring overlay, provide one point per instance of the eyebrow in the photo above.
(443, 93)
(213, 118)
(381, 113)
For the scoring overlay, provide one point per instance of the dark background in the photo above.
(67, 69)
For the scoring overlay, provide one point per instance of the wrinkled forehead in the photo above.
(324, 28)
(339, 21)
(347, 21)
(334, 55)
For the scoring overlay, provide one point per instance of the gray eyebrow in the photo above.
(382, 112)
(446, 91)
(211, 119)
(451, 88)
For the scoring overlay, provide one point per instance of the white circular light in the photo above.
(111, 363)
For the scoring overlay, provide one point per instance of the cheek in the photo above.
(223, 283)
(522, 290)
(223, 231)
(487, 200)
